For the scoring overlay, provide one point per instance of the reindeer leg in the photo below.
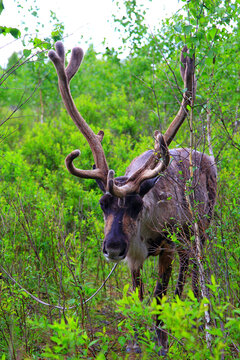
(164, 273)
(133, 346)
(184, 262)
(137, 282)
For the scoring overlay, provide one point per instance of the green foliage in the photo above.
(4, 30)
(68, 340)
(1, 6)
(185, 318)
(51, 223)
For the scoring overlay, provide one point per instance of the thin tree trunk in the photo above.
(42, 107)
(209, 130)
(197, 237)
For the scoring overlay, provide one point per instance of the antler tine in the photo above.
(58, 58)
(145, 172)
(74, 63)
(110, 181)
(94, 141)
(187, 69)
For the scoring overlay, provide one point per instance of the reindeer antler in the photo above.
(187, 69)
(64, 77)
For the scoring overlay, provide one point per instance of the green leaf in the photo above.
(4, 30)
(1, 6)
(56, 340)
(37, 42)
(15, 32)
(178, 28)
(213, 280)
(92, 343)
(187, 29)
(213, 32)
(100, 357)
(122, 340)
(191, 295)
(26, 52)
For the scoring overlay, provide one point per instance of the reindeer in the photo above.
(149, 203)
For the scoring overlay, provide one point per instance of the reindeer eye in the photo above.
(105, 202)
(102, 205)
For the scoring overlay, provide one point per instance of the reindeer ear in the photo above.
(147, 185)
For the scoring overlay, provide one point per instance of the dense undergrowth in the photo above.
(51, 223)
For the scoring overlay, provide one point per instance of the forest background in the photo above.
(51, 223)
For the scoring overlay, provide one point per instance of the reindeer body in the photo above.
(144, 208)
(165, 207)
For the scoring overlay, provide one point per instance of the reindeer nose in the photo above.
(115, 250)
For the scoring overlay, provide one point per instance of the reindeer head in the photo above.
(122, 201)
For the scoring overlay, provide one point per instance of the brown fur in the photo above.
(108, 224)
(129, 225)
